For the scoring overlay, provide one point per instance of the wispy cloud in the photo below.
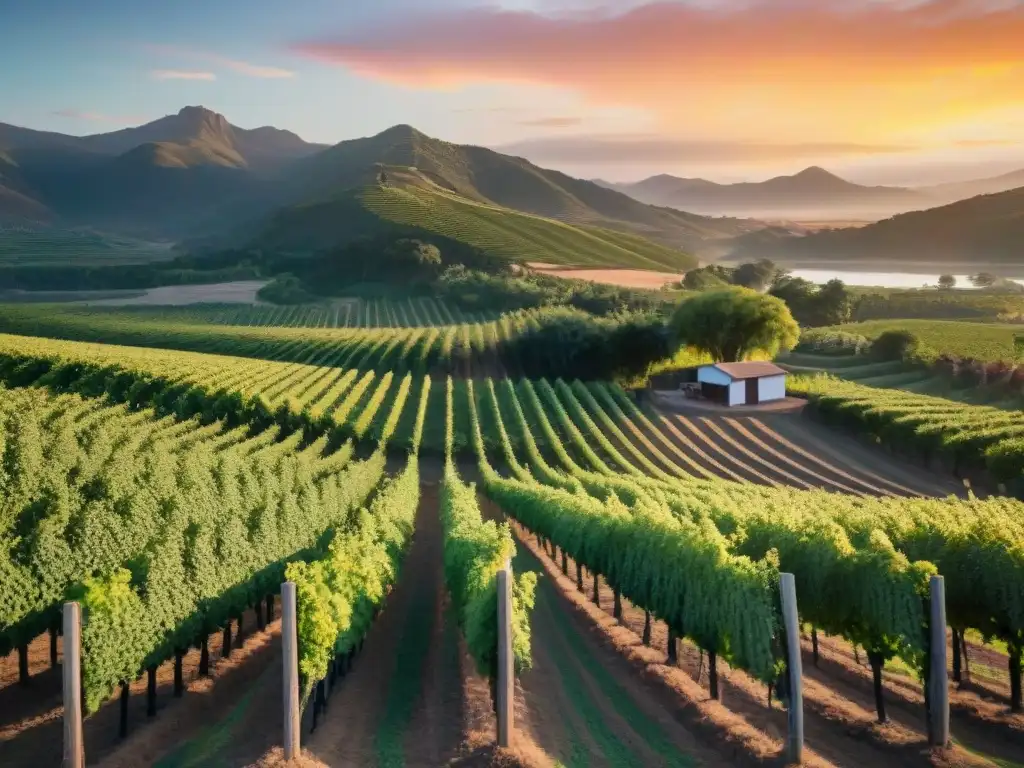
(253, 70)
(98, 117)
(552, 122)
(978, 143)
(856, 70)
(489, 110)
(647, 149)
(235, 65)
(181, 74)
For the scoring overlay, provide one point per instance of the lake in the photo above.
(882, 279)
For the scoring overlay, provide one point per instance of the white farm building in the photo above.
(742, 383)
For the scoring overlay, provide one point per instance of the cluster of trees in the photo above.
(757, 275)
(811, 305)
(983, 280)
(285, 289)
(569, 343)
(729, 325)
(508, 290)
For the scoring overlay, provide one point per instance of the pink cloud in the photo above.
(179, 74)
(235, 65)
(818, 67)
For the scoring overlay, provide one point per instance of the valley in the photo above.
(407, 421)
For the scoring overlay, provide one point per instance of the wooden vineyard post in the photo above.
(939, 690)
(506, 679)
(290, 651)
(74, 749)
(794, 669)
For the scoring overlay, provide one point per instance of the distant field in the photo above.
(65, 247)
(418, 312)
(627, 278)
(212, 305)
(238, 292)
(982, 341)
(14, 296)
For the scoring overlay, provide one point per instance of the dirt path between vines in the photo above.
(607, 718)
(839, 722)
(401, 704)
(32, 730)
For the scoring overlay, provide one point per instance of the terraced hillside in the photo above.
(965, 339)
(426, 209)
(420, 312)
(55, 247)
(1000, 390)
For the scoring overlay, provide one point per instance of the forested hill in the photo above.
(985, 229)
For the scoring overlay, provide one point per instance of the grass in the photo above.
(21, 246)
(963, 338)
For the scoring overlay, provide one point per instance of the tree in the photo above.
(947, 282)
(983, 280)
(733, 324)
(757, 275)
(834, 304)
(707, 278)
(638, 341)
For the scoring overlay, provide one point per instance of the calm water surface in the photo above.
(883, 279)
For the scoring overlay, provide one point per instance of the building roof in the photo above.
(749, 370)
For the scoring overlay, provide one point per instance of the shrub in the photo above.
(822, 341)
(285, 289)
(896, 345)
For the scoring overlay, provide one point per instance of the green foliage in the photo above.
(756, 275)
(1004, 304)
(339, 593)
(554, 341)
(570, 343)
(285, 289)
(862, 564)
(965, 340)
(708, 278)
(967, 435)
(896, 345)
(734, 324)
(811, 305)
(828, 341)
(164, 529)
(474, 552)
(475, 290)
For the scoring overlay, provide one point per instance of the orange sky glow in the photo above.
(938, 76)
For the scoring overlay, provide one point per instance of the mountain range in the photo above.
(811, 194)
(979, 231)
(194, 176)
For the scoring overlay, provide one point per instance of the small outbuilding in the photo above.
(748, 383)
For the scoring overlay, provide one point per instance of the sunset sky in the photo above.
(884, 91)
